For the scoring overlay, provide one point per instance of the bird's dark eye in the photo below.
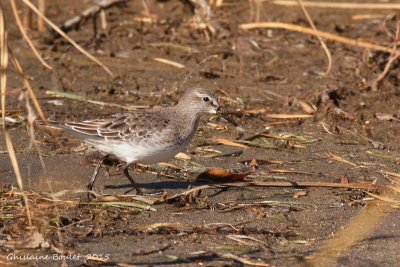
(206, 99)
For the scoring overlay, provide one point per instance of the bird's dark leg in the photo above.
(94, 176)
(126, 172)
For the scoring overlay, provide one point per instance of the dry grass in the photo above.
(338, 5)
(59, 31)
(360, 227)
(25, 35)
(326, 35)
(352, 233)
(6, 53)
(323, 44)
(3, 66)
(3, 86)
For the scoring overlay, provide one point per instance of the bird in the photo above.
(148, 136)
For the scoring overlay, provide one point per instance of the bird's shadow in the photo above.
(157, 185)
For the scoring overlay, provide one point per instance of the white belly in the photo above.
(134, 153)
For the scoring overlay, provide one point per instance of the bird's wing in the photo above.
(135, 126)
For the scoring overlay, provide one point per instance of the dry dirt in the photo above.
(275, 70)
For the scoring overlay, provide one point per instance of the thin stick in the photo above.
(279, 184)
(42, 9)
(3, 67)
(27, 17)
(340, 159)
(179, 85)
(289, 116)
(310, 21)
(84, 99)
(339, 5)
(13, 158)
(176, 46)
(244, 261)
(59, 31)
(189, 76)
(394, 56)
(169, 62)
(25, 35)
(327, 35)
(32, 95)
(30, 128)
(146, 8)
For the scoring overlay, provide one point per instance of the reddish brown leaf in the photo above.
(222, 176)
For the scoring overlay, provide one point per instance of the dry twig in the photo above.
(3, 67)
(13, 157)
(278, 184)
(96, 102)
(310, 21)
(25, 35)
(59, 31)
(339, 5)
(394, 56)
(169, 62)
(326, 35)
(89, 13)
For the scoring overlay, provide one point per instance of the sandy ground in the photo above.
(257, 73)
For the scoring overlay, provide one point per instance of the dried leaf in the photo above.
(303, 139)
(307, 108)
(169, 165)
(381, 155)
(155, 226)
(221, 175)
(244, 261)
(243, 240)
(344, 115)
(35, 240)
(384, 198)
(230, 154)
(301, 193)
(397, 175)
(261, 142)
(253, 163)
(226, 142)
(387, 117)
(337, 158)
(182, 156)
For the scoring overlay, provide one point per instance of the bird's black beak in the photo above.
(221, 112)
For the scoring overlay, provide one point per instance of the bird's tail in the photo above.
(50, 124)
